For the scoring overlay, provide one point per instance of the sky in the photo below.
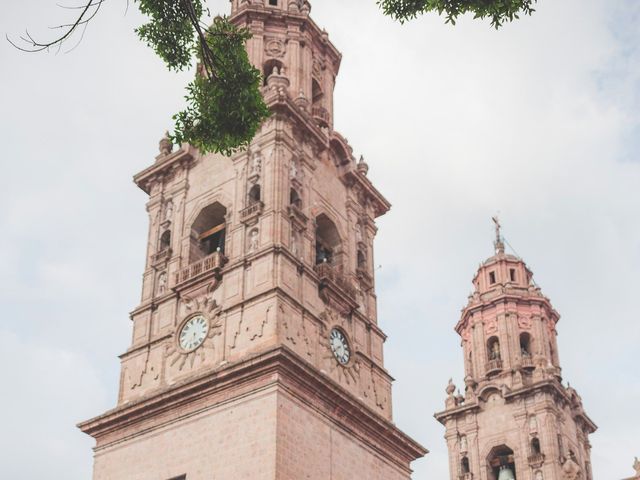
(539, 122)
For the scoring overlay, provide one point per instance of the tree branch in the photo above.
(89, 11)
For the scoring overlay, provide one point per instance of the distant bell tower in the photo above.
(255, 350)
(515, 420)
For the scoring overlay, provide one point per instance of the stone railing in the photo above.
(493, 365)
(527, 362)
(161, 256)
(536, 459)
(215, 261)
(327, 272)
(251, 212)
(320, 114)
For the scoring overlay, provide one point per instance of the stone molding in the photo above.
(279, 367)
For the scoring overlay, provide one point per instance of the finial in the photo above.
(498, 243)
(165, 145)
(363, 167)
(450, 387)
(636, 466)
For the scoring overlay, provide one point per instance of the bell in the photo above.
(506, 473)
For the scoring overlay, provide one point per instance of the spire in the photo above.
(498, 242)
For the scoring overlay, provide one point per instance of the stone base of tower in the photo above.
(269, 417)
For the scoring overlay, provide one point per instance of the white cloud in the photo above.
(538, 121)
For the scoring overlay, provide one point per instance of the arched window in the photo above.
(362, 260)
(254, 194)
(327, 241)
(525, 344)
(464, 465)
(294, 198)
(535, 446)
(316, 92)
(207, 232)
(270, 67)
(493, 348)
(165, 240)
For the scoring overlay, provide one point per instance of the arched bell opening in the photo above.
(464, 466)
(535, 446)
(501, 464)
(327, 241)
(294, 198)
(254, 195)
(271, 66)
(165, 240)
(493, 349)
(208, 232)
(525, 345)
(361, 260)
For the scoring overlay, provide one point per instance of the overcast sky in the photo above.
(539, 121)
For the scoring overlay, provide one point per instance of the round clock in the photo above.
(193, 333)
(339, 346)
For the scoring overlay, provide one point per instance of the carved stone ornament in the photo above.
(318, 66)
(275, 47)
(180, 359)
(524, 322)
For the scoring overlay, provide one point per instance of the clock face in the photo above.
(339, 346)
(193, 333)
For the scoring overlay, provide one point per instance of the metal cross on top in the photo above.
(499, 245)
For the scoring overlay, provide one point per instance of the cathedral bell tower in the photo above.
(256, 351)
(515, 420)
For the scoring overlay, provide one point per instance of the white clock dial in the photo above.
(193, 333)
(339, 346)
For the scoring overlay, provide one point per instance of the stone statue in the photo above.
(168, 210)
(495, 351)
(533, 423)
(636, 466)
(463, 443)
(293, 170)
(162, 283)
(256, 163)
(253, 240)
(570, 470)
(538, 475)
(358, 233)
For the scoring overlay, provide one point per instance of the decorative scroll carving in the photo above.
(251, 331)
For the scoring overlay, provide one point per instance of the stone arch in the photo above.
(486, 391)
(207, 232)
(268, 68)
(165, 240)
(328, 242)
(254, 195)
(526, 344)
(500, 457)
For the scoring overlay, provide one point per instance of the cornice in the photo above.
(549, 385)
(504, 298)
(185, 154)
(353, 177)
(279, 366)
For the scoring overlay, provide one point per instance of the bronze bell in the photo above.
(506, 473)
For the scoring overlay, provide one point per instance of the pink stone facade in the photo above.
(273, 248)
(515, 413)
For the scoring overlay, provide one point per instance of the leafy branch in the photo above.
(224, 105)
(499, 11)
